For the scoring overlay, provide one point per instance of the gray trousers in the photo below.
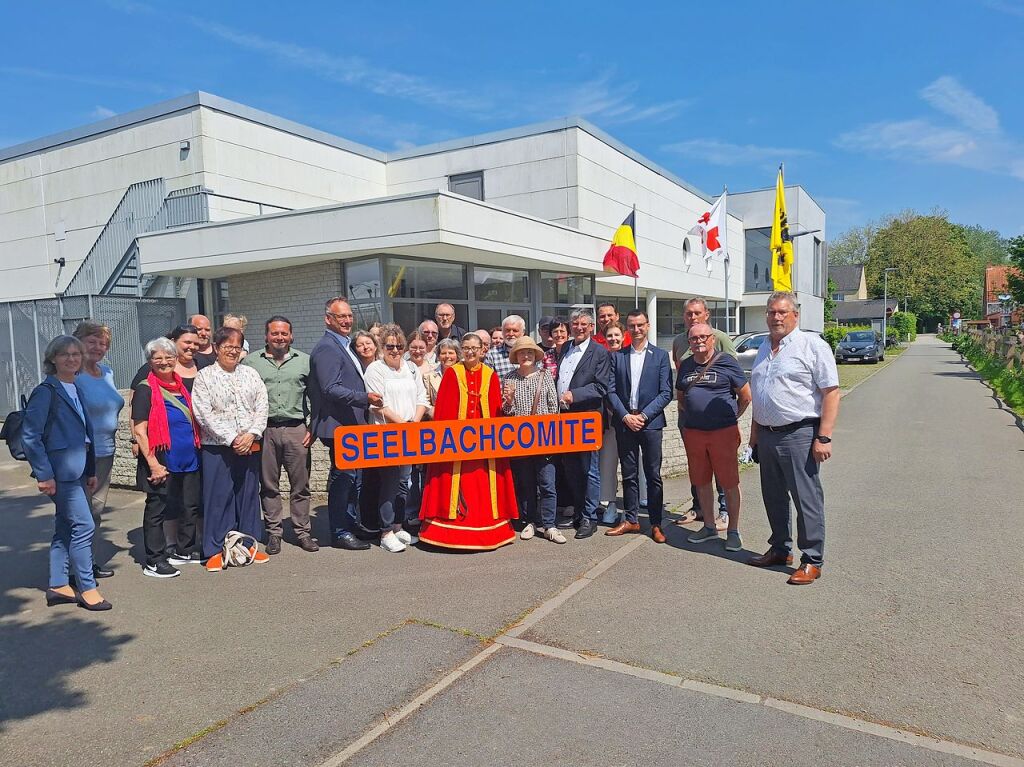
(282, 447)
(788, 470)
(98, 501)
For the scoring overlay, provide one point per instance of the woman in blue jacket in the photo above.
(59, 446)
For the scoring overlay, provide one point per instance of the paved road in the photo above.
(915, 626)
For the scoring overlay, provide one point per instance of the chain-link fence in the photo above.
(26, 327)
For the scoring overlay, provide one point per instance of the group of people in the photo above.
(215, 423)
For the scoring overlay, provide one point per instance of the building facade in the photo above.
(222, 206)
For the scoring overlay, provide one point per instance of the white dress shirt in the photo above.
(636, 367)
(786, 386)
(567, 367)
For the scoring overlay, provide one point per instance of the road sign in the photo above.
(956, 315)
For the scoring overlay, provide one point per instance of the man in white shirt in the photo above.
(584, 371)
(795, 387)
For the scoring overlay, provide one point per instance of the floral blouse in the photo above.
(228, 404)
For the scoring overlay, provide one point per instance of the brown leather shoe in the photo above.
(771, 558)
(657, 535)
(805, 575)
(308, 544)
(624, 527)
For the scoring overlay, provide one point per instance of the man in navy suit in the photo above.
(584, 370)
(640, 390)
(338, 397)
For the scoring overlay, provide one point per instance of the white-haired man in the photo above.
(512, 327)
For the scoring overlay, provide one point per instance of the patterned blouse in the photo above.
(228, 404)
(526, 392)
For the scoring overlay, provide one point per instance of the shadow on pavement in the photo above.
(676, 538)
(37, 659)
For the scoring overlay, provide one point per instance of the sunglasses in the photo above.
(394, 347)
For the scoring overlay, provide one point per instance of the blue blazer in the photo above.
(55, 436)
(337, 395)
(655, 386)
(589, 382)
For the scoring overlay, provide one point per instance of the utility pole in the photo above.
(885, 304)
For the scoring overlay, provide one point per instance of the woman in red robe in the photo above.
(468, 504)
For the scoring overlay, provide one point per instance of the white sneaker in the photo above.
(528, 532)
(390, 542)
(405, 537)
(554, 535)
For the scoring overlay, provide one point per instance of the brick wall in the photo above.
(297, 292)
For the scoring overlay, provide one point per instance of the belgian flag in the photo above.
(621, 256)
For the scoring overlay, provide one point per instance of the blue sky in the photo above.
(873, 106)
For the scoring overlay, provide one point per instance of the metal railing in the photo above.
(26, 327)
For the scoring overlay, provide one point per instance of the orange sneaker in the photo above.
(215, 563)
(258, 557)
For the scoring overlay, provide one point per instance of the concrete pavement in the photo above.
(915, 624)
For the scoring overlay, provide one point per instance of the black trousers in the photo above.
(635, 446)
(179, 497)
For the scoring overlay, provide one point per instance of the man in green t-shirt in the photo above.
(695, 310)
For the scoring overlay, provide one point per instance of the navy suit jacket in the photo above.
(54, 435)
(337, 395)
(655, 386)
(589, 382)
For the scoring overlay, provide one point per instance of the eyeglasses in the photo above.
(428, 332)
(699, 339)
(443, 316)
(227, 348)
(474, 349)
(340, 316)
(394, 347)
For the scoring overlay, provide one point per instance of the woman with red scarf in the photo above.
(468, 505)
(168, 468)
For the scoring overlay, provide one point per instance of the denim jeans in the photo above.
(72, 537)
(534, 478)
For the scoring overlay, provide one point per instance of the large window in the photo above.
(362, 283)
(425, 281)
(468, 184)
(758, 276)
(820, 269)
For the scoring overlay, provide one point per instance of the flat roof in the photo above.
(209, 100)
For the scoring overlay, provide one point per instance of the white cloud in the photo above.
(602, 98)
(349, 70)
(974, 139)
(718, 152)
(116, 83)
(101, 113)
(949, 96)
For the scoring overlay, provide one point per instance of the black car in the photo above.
(861, 346)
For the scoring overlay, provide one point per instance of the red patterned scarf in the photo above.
(159, 431)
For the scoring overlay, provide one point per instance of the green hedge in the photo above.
(1007, 382)
(903, 325)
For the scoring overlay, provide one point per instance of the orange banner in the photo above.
(358, 447)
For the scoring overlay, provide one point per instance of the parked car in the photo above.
(746, 349)
(861, 346)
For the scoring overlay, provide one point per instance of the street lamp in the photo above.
(885, 303)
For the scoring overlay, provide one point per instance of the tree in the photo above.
(987, 246)
(851, 247)
(1015, 276)
(934, 265)
(830, 303)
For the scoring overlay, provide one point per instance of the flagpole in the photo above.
(725, 255)
(636, 285)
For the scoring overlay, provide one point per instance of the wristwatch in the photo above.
(823, 439)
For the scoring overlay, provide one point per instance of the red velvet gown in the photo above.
(468, 504)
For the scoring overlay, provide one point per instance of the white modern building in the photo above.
(221, 205)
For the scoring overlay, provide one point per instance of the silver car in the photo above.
(746, 349)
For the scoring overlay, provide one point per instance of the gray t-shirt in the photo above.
(681, 346)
